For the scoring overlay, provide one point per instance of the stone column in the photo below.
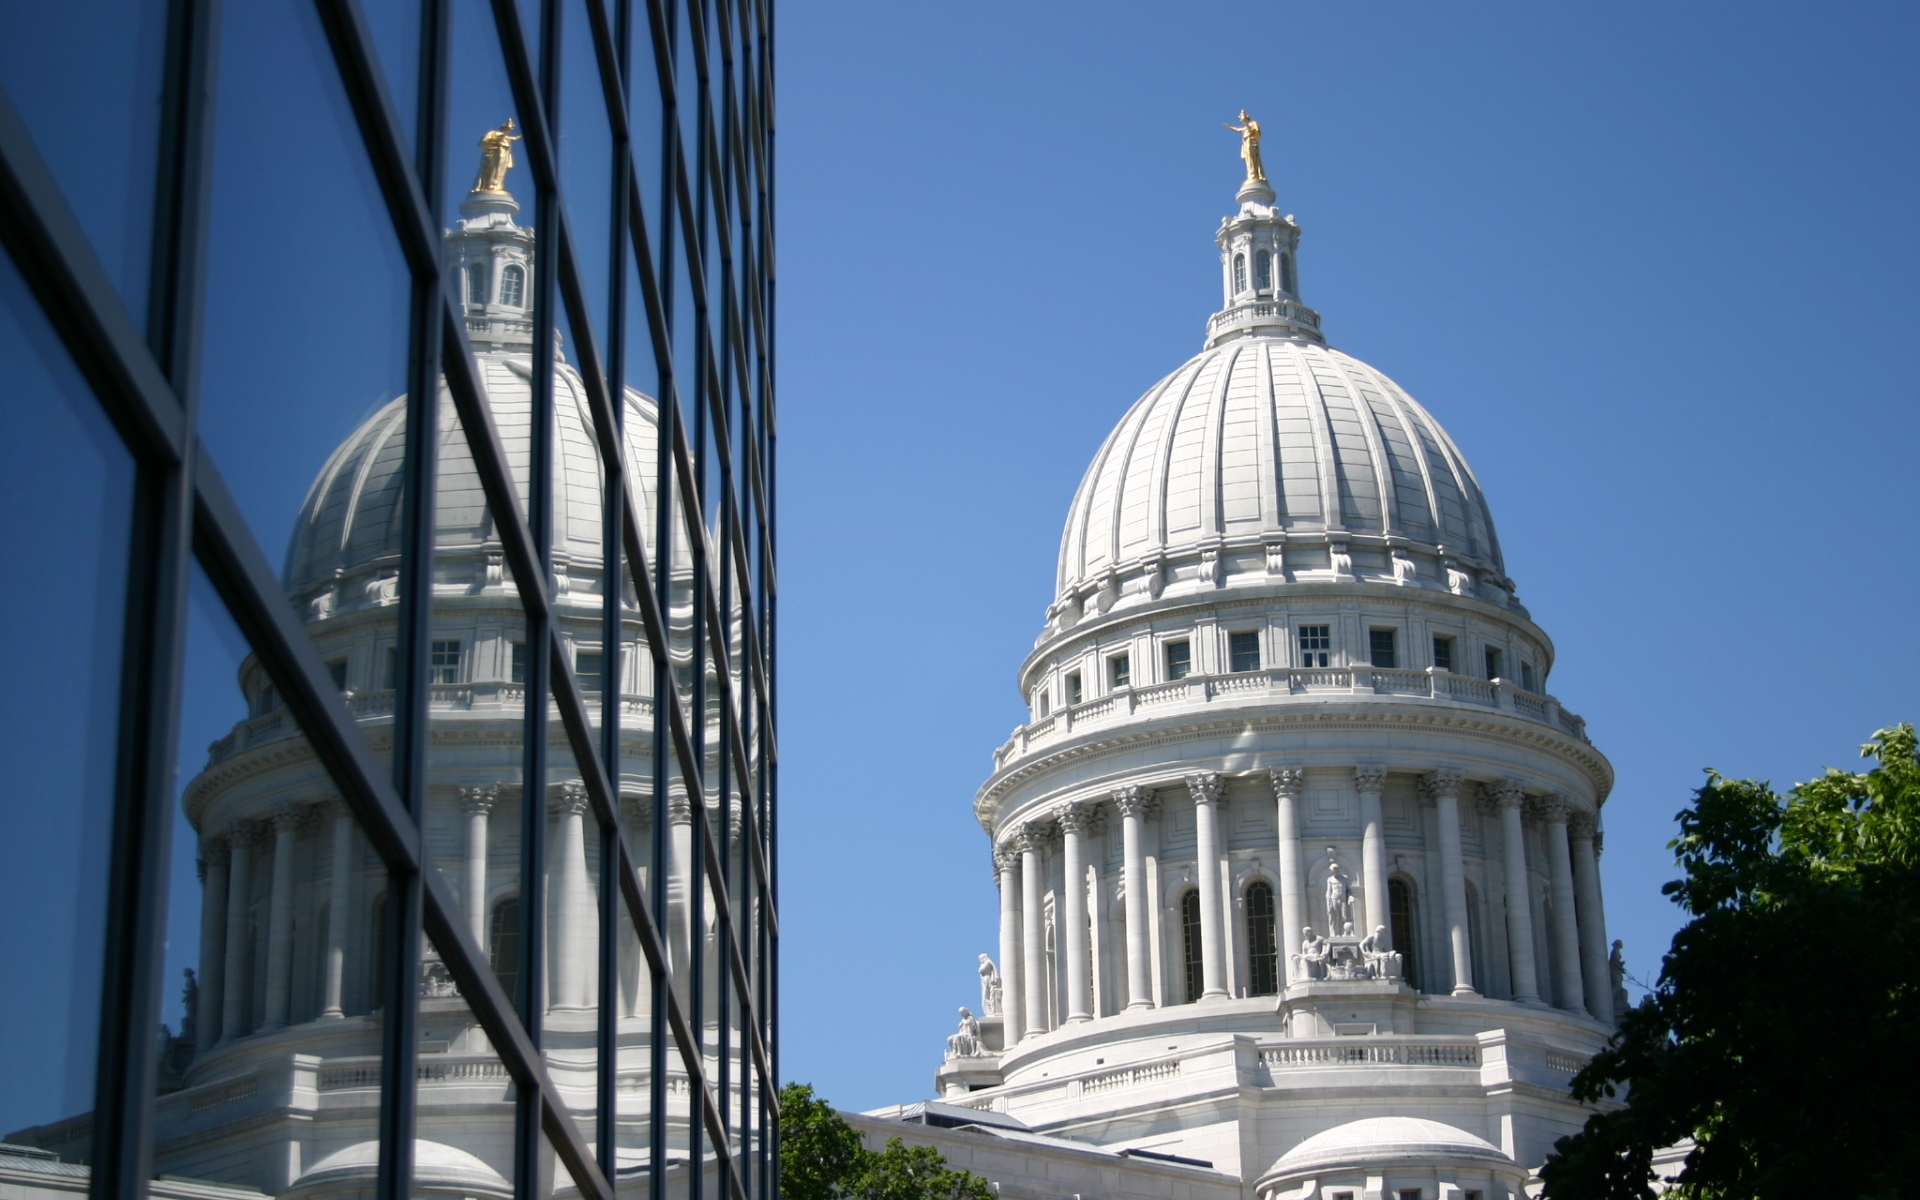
(680, 869)
(216, 855)
(280, 920)
(1288, 785)
(1509, 794)
(1033, 935)
(1074, 822)
(475, 804)
(1566, 936)
(235, 1002)
(635, 982)
(1205, 788)
(574, 935)
(1373, 850)
(1133, 803)
(1443, 788)
(1592, 918)
(1006, 863)
(339, 912)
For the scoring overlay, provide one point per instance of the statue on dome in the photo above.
(1339, 900)
(989, 988)
(496, 158)
(1382, 963)
(1249, 131)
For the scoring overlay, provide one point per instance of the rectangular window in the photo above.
(1527, 679)
(1381, 647)
(1073, 688)
(445, 663)
(588, 668)
(1443, 653)
(1179, 659)
(1043, 702)
(1409, 1194)
(1119, 671)
(264, 704)
(1316, 645)
(1243, 651)
(1493, 663)
(517, 669)
(337, 669)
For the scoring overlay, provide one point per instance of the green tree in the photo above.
(823, 1158)
(1783, 1035)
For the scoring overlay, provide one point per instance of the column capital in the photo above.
(1005, 858)
(289, 820)
(1486, 801)
(1205, 787)
(1134, 801)
(1443, 783)
(1029, 838)
(1508, 793)
(1289, 783)
(1583, 824)
(1370, 779)
(479, 800)
(568, 798)
(636, 808)
(1553, 808)
(679, 809)
(1078, 818)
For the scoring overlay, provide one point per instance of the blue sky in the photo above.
(1651, 265)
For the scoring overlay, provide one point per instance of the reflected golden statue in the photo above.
(1249, 131)
(496, 158)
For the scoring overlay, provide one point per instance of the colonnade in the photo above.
(231, 861)
(1577, 937)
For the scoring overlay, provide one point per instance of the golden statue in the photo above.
(496, 158)
(1249, 131)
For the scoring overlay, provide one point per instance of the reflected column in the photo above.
(475, 805)
(573, 932)
(1205, 788)
(216, 855)
(339, 910)
(1554, 810)
(280, 918)
(1289, 783)
(1006, 868)
(1133, 803)
(234, 1017)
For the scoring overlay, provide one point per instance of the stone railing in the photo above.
(1373, 1051)
(1281, 682)
(351, 1073)
(1151, 1072)
(480, 697)
(1261, 313)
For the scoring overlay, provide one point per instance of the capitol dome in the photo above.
(1255, 438)
(1393, 1146)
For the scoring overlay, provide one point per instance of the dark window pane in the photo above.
(1400, 906)
(1443, 653)
(1073, 688)
(1493, 663)
(1381, 645)
(1179, 659)
(1190, 942)
(1316, 645)
(62, 466)
(1244, 651)
(1263, 955)
(1120, 671)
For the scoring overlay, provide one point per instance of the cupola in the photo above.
(1259, 264)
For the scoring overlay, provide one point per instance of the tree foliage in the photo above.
(1783, 1035)
(823, 1158)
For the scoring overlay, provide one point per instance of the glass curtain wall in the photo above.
(392, 398)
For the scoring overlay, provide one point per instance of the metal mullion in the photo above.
(154, 608)
(382, 135)
(58, 263)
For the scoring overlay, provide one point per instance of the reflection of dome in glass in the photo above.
(439, 1170)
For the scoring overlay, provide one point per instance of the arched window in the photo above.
(513, 285)
(1263, 270)
(1286, 275)
(1190, 930)
(503, 944)
(1400, 912)
(1239, 273)
(1263, 955)
(477, 283)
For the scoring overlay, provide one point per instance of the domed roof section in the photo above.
(1378, 1141)
(1273, 434)
(436, 1166)
(351, 518)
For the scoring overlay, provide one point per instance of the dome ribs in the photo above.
(1137, 495)
(1332, 511)
(1410, 418)
(1266, 436)
(1187, 456)
(1238, 491)
(1382, 462)
(1299, 450)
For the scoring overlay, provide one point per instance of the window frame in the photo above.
(1236, 644)
(1120, 670)
(1169, 672)
(1390, 649)
(1321, 645)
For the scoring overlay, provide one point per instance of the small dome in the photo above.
(1383, 1141)
(351, 519)
(1273, 434)
(437, 1168)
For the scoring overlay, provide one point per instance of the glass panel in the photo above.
(646, 126)
(633, 1095)
(465, 1098)
(395, 25)
(586, 163)
(306, 347)
(478, 99)
(64, 465)
(86, 77)
(571, 1038)
(276, 946)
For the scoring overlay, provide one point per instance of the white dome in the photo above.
(1382, 1141)
(351, 519)
(1267, 434)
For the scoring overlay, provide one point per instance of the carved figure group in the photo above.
(1381, 962)
(1311, 962)
(966, 1042)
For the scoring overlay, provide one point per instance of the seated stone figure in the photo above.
(1382, 963)
(965, 1043)
(1311, 962)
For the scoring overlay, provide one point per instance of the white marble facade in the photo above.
(1297, 855)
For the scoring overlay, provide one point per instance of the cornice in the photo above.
(1485, 728)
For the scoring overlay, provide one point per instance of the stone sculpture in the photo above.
(496, 158)
(989, 988)
(1339, 898)
(1381, 962)
(1249, 131)
(966, 1042)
